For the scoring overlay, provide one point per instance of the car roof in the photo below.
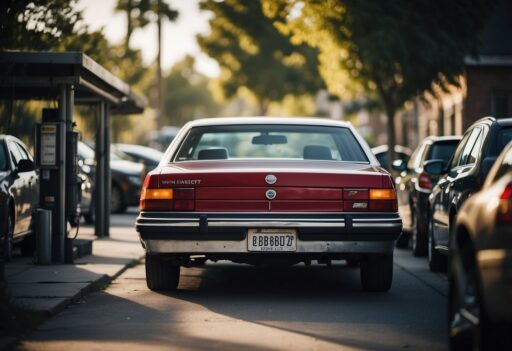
(435, 138)
(398, 148)
(267, 120)
(489, 120)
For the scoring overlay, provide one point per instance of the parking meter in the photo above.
(55, 149)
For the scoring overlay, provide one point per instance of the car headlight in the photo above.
(135, 180)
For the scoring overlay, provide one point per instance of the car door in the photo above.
(456, 182)
(32, 195)
(19, 191)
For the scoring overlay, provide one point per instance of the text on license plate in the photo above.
(263, 239)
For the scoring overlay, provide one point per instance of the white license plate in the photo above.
(272, 240)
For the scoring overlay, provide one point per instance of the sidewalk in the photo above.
(49, 289)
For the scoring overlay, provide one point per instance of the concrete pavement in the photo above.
(49, 289)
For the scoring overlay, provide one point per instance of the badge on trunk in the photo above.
(271, 194)
(271, 179)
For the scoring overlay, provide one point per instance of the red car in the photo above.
(268, 191)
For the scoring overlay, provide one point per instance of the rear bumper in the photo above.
(189, 232)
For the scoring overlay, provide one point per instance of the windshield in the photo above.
(504, 136)
(271, 142)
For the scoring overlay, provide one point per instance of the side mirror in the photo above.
(434, 167)
(399, 165)
(487, 164)
(25, 166)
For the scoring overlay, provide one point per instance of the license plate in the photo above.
(272, 240)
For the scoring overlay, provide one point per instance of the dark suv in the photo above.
(463, 176)
(414, 186)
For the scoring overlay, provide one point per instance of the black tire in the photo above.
(8, 237)
(436, 261)
(117, 202)
(403, 240)
(161, 274)
(419, 239)
(377, 272)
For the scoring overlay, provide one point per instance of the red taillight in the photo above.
(424, 182)
(504, 212)
(153, 198)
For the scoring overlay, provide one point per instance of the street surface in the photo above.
(225, 306)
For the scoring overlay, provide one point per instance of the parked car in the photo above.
(161, 139)
(146, 155)
(382, 155)
(19, 196)
(414, 185)
(481, 265)
(126, 178)
(271, 191)
(86, 192)
(462, 177)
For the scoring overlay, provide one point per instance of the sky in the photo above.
(178, 37)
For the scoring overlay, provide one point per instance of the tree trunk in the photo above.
(159, 86)
(391, 112)
(263, 107)
(129, 28)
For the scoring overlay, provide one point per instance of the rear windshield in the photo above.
(504, 136)
(442, 150)
(271, 142)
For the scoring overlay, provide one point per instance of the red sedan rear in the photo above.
(268, 191)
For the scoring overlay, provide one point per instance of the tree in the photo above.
(395, 49)
(36, 24)
(187, 94)
(253, 53)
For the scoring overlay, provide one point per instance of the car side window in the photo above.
(458, 152)
(3, 158)
(15, 153)
(475, 151)
(465, 157)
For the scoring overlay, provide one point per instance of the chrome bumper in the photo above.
(189, 232)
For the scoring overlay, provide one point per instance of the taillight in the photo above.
(504, 213)
(153, 198)
(383, 200)
(424, 182)
(377, 200)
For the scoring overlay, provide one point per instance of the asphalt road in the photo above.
(225, 306)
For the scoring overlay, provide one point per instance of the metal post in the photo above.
(70, 101)
(108, 180)
(99, 224)
(44, 236)
(59, 218)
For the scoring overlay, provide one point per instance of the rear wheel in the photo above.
(419, 238)
(436, 261)
(377, 272)
(117, 203)
(161, 273)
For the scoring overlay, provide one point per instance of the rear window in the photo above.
(442, 150)
(504, 136)
(271, 142)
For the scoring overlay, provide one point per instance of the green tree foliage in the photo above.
(396, 49)
(253, 53)
(187, 95)
(140, 13)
